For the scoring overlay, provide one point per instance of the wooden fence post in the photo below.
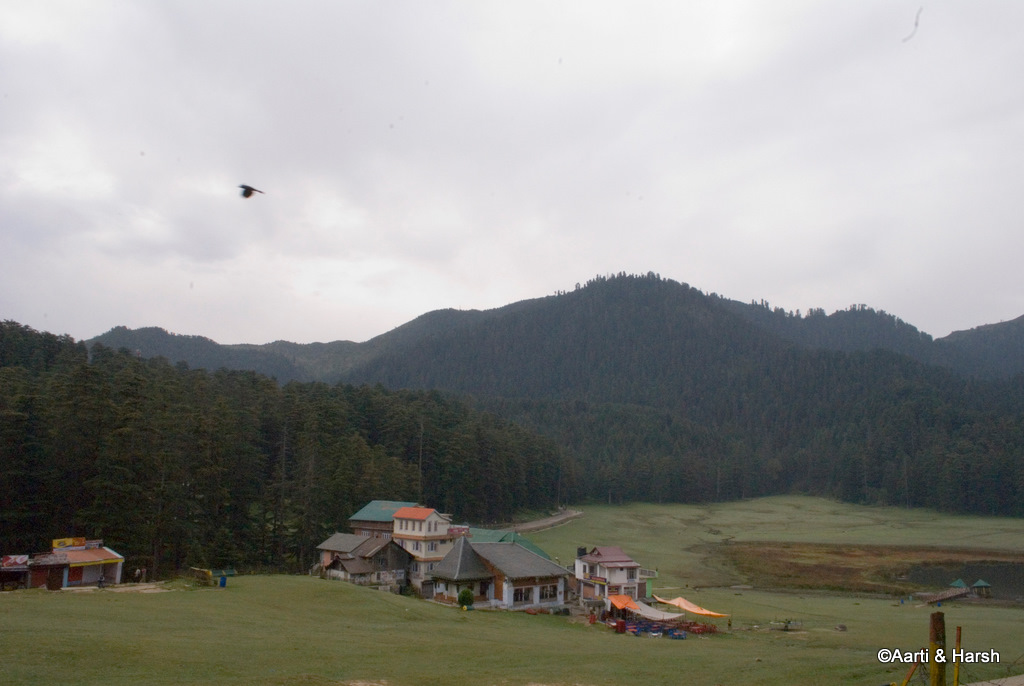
(937, 650)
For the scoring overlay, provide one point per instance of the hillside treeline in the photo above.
(918, 447)
(176, 467)
(658, 392)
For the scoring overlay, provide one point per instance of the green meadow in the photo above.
(302, 630)
(682, 541)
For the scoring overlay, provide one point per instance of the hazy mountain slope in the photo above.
(626, 339)
(282, 360)
(528, 331)
(200, 352)
(300, 361)
(992, 350)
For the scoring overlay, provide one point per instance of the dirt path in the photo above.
(126, 587)
(547, 522)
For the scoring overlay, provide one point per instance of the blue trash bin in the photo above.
(223, 582)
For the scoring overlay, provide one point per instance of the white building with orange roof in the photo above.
(424, 533)
(75, 562)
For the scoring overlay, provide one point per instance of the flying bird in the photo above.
(247, 191)
(917, 22)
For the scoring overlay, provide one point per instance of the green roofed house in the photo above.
(376, 518)
(500, 536)
(982, 588)
(959, 583)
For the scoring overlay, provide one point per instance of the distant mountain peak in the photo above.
(642, 312)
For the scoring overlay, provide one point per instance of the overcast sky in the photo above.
(422, 155)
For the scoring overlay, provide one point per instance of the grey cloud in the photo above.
(418, 156)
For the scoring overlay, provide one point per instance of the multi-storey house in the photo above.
(606, 570)
(424, 533)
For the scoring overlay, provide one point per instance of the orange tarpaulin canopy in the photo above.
(623, 602)
(690, 607)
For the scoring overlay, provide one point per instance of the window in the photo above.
(549, 592)
(432, 546)
(522, 595)
(631, 574)
(416, 546)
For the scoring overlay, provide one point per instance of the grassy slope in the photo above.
(300, 630)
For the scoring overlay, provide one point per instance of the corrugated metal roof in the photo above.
(76, 558)
(353, 566)
(371, 545)
(516, 562)
(342, 543)
(379, 511)
(94, 556)
(414, 512)
(501, 536)
(461, 564)
(609, 556)
(48, 560)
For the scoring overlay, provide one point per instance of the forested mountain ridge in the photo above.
(620, 340)
(177, 467)
(990, 351)
(282, 360)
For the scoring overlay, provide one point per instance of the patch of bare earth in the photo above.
(154, 587)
